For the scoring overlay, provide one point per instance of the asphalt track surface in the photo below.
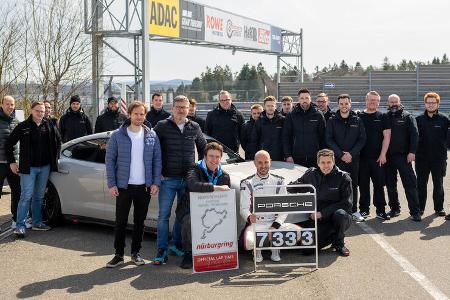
(396, 259)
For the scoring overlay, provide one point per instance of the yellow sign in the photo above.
(164, 17)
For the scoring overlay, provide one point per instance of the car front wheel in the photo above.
(52, 205)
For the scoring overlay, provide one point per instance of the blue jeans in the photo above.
(32, 188)
(169, 187)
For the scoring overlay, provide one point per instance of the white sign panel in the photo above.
(213, 225)
(225, 28)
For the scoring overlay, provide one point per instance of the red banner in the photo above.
(214, 262)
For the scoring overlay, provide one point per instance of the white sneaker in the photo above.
(27, 225)
(357, 217)
(275, 255)
(259, 258)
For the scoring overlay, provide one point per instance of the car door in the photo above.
(82, 183)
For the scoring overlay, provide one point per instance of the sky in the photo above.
(350, 30)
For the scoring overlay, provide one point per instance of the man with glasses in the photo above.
(431, 156)
(224, 123)
(322, 106)
(178, 137)
(39, 151)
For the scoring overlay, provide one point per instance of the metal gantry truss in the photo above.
(105, 19)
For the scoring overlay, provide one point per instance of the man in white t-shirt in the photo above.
(133, 170)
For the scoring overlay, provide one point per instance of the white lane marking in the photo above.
(405, 264)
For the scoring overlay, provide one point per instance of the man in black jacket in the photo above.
(323, 107)
(74, 123)
(7, 124)
(373, 157)
(157, 112)
(224, 123)
(303, 132)
(268, 130)
(206, 177)
(247, 131)
(111, 118)
(401, 154)
(178, 137)
(346, 136)
(48, 113)
(431, 154)
(193, 114)
(40, 144)
(334, 201)
(286, 105)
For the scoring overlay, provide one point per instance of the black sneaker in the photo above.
(364, 214)
(342, 250)
(161, 257)
(186, 263)
(421, 212)
(116, 261)
(137, 259)
(440, 213)
(416, 218)
(394, 213)
(41, 227)
(383, 216)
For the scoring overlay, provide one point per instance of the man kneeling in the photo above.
(262, 183)
(334, 201)
(206, 177)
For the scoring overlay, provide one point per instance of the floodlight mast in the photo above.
(129, 19)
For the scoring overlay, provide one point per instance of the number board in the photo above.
(285, 239)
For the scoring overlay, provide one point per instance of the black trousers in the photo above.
(140, 197)
(398, 162)
(437, 170)
(370, 169)
(331, 230)
(14, 184)
(353, 169)
(186, 234)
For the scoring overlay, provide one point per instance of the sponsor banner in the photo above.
(192, 20)
(214, 227)
(225, 28)
(164, 17)
(276, 42)
(284, 203)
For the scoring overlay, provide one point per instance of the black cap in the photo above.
(75, 98)
(112, 99)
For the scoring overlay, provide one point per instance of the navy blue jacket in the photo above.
(346, 134)
(118, 157)
(303, 133)
(432, 137)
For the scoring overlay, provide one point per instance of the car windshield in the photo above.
(228, 157)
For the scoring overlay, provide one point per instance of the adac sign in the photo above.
(164, 17)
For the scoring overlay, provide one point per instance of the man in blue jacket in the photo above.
(133, 170)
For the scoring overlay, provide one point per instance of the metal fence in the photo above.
(409, 85)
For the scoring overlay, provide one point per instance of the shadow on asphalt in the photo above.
(402, 224)
(98, 241)
(150, 277)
